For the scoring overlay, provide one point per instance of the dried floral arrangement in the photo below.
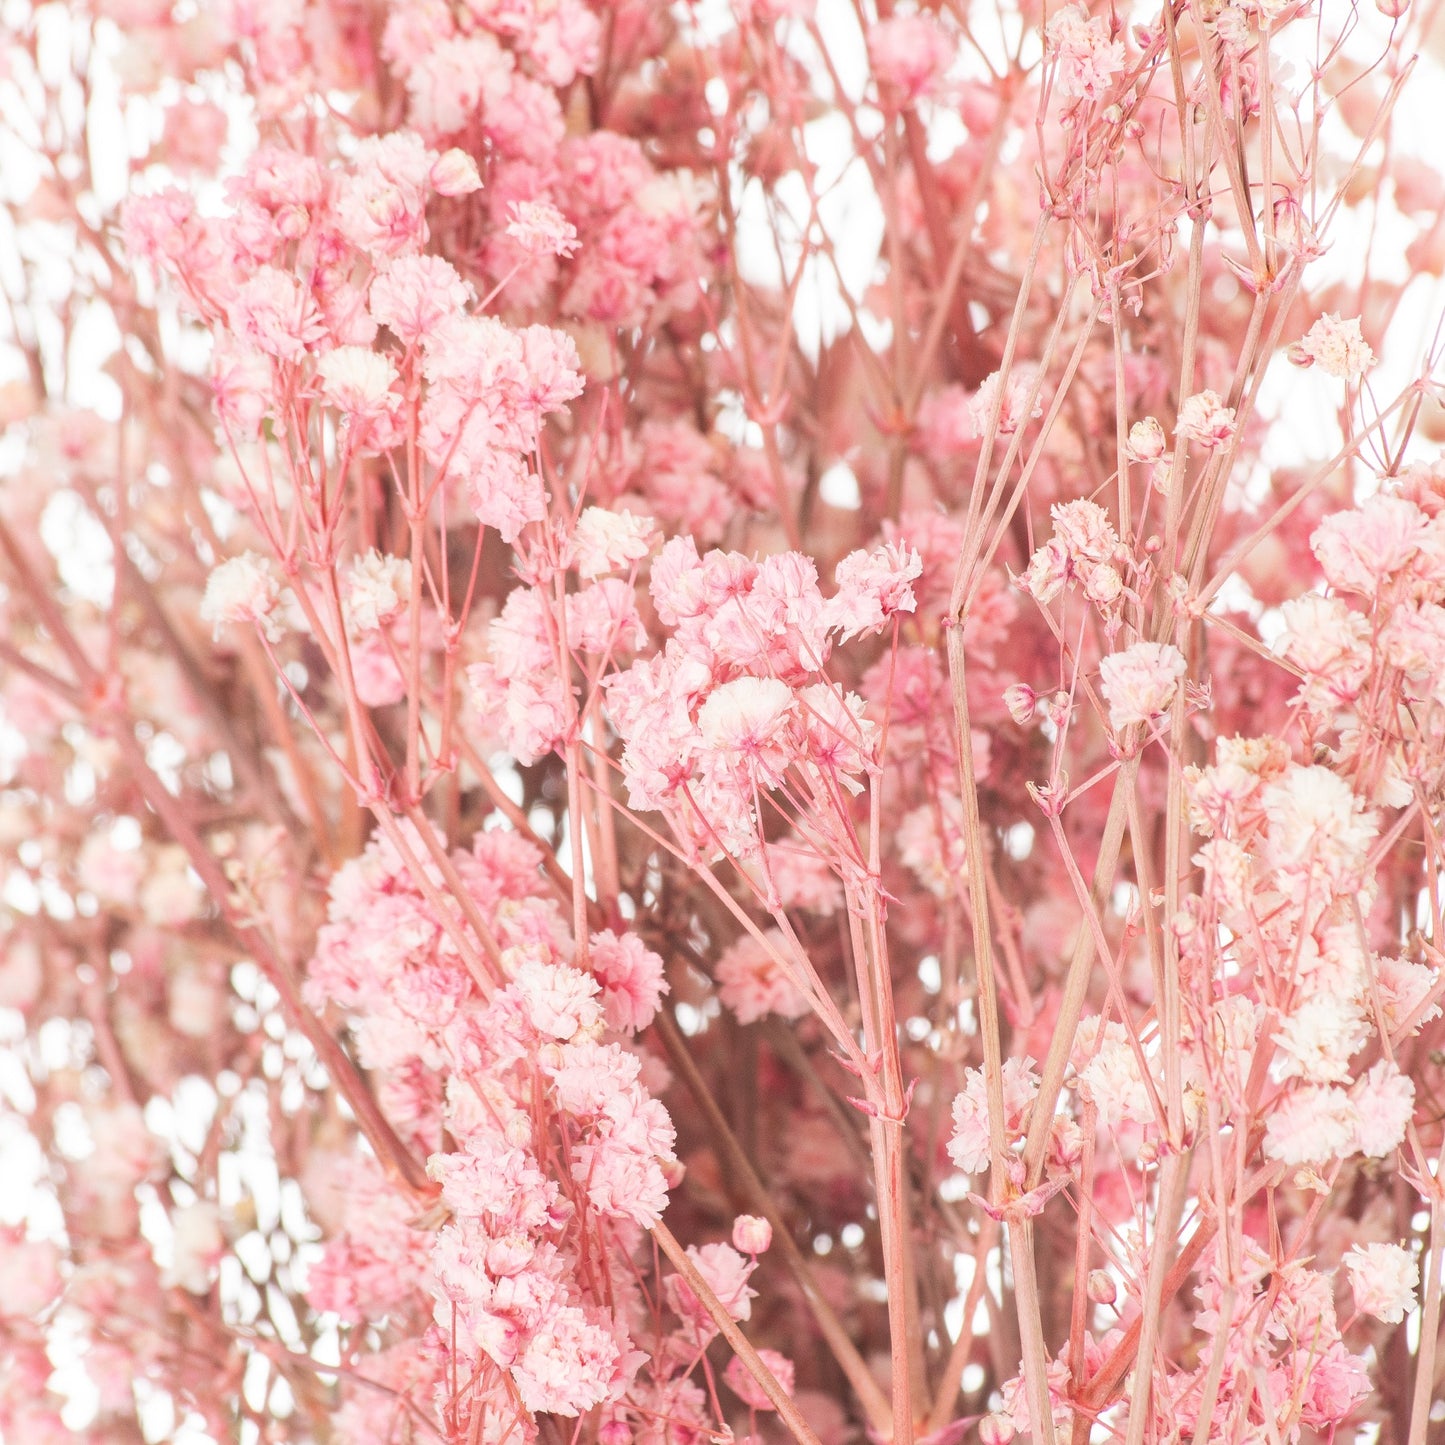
(719, 720)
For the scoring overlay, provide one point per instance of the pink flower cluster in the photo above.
(738, 699)
(552, 1142)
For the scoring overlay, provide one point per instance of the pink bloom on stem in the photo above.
(560, 1002)
(632, 979)
(540, 229)
(415, 294)
(1361, 549)
(276, 314)
(910, 54)
(1086, 58)
(357, 380)
(1140, 682)
(740, 1381)
(1383, 1280)
(605, 541)
(872, 588)
(1385, 1102)
(243, 589)
(969, 1147)
(505, 493)
(726, 1273)
(1312, 1125)
(1335, 346)
(455, 174)
(745, 719)
(1146, 441)
(1204, 418)
(751, 1234)
(377, 588)
(753, 984)
(1337, 1383)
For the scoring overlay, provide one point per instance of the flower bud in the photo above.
(455, 174)
(1101, 1287)
(1020, 700)
(1146, 441)
(995, 1430)
(751, 1235)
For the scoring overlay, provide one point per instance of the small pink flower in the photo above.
(415, 294)
(632, 979)
(1140, 682)
(1385, 1102)
(455, 174)
(726, 1273)
(1146, 441)
(1383, 1280)
(1086, 58)
(540, 229)
(1204, 418)
(746, 717)
(357, 380)
(910, 54)
(377, 588)
(752, 983)
(752, 1235)
(741, 1382)
(1335, 346)
(873, 587)
(277, 315)
(606, 541)
(243, 589)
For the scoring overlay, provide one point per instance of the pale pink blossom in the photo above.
(274, 313)
(1385, 1102)
(377, 588)
(1383, 1280)
(872, 588)
(1317, 825)
(631, 977)
(243, 589)
(1335, 346)
(559, 1001)
(1146, 441)
(1204, 419)
(505, 492)
(910, 54)
(1318, 1038)
(1361, 550)
(455, 174)
(1111, 1078)
(1140, 682)
(752, 1234)
(606, 541)
(1086, 58)
(753, 984)
(541, 229)
(29, 1275)
(740, 1381)
(745, 719)
(969, 1145)
(357, 380)
(415, 294)
(1085, 532)
(726, 1274)
(1312, 1125)
(1048, 572)
(1019, 402)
